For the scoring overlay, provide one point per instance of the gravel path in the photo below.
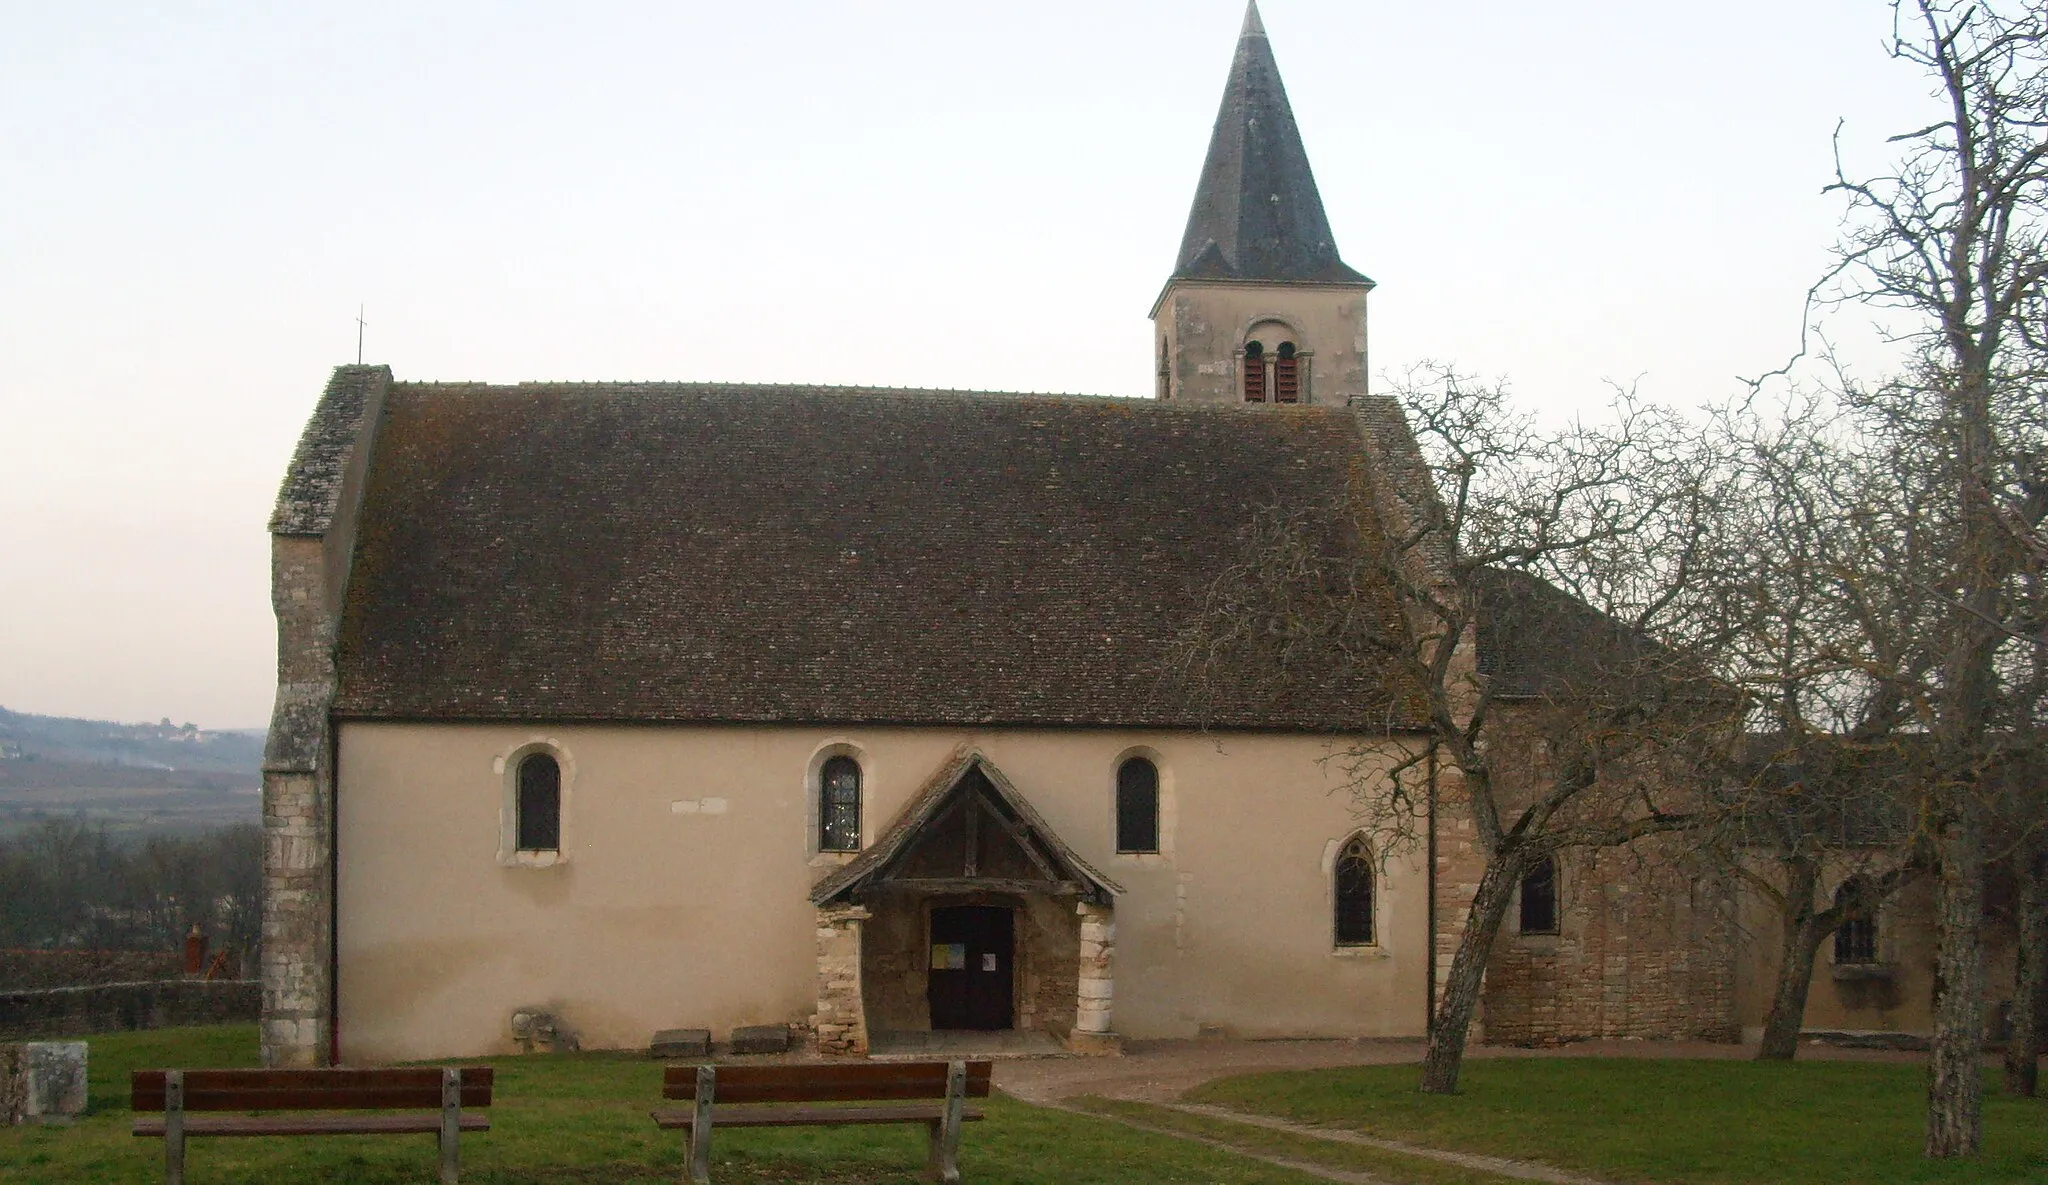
(1161, 1071)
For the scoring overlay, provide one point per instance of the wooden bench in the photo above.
(442, 1093)
(931, 1093)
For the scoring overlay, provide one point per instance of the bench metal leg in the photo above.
(451, 1125)
(174, 1127)
(942, 1161)
(700, 1126)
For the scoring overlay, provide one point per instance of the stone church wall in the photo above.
(1049, 941)
(1645, 949)
(1646, 937)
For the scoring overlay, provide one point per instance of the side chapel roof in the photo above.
(1257, 212)
(707, 553)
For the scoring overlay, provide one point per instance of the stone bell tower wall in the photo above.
(1200, 328)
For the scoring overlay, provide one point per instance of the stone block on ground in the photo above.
(680, 1043)
(761, 1039)
(13, 1084)
(42, 1082)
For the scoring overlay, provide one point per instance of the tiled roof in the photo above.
(1257, 214)
(671, 552)
(1535, 639)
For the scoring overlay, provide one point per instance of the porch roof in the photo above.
(1060, 864)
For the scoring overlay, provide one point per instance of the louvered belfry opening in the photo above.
(1286, 375)
(1254, 372)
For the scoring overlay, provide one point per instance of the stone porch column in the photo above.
(841, 1020)
(1093, 1032)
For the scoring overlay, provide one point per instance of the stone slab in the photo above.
(42, 1082)
(1095, 1044)
(680, 1043)
(761, 1039)
(13, 1084)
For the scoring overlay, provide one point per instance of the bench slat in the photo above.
(812, 1116)
(826, 1083)
(316, 1090)
(312, 1100)
(310, 1125)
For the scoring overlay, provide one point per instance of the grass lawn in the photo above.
(582, 1119)
(1697, 1122)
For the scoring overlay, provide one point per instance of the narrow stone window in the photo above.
(1856, 937)
(1137, 806)
(1354, 894)
(839, 805)
(1286, 375)
(1539, 898)
(540, 804)
(1254, 372)
(1165, 372)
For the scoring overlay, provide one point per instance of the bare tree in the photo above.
(2026, 1043)
(1950, 242)
(1602, 529)
(1811, 819)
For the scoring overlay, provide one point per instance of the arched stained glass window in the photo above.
(540, 803)
(839, 805)
(1137, 806)
(1354, 894)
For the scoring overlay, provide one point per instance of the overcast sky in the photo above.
(194, 199)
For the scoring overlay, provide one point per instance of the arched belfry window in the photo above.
(1354, 893)
(540, 803)
(1254, 372)
(1286, 374)
(839, 805)
(1137, 806)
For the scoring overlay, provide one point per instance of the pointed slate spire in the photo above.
(1257, 215)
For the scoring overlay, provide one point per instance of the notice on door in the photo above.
(949, 956)
(988, 961)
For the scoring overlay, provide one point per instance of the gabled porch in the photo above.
(968, 916)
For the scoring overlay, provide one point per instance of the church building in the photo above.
(659, 705)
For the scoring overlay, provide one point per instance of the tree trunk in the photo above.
(1955, 1083)
(1800, 939)
(2030, 978)
(1468, 971)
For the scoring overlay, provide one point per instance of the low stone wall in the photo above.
(28, 970)
(117, 1007)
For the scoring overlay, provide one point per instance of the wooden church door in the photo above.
(971, 981)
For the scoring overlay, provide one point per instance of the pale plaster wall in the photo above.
(1905, 943)
(664, 916)
(1202, 324)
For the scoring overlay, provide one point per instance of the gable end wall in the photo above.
(313, 536)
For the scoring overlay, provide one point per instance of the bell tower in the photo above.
(1260, 309)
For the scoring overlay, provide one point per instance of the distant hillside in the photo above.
(163, 747)
(136, 778)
